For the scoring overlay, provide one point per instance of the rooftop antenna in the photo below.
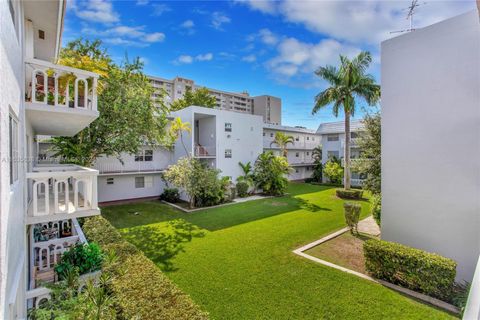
(411, 11)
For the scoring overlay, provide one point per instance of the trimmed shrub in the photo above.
(354, 194)
(170, 195)
(411, 268)
(141, 290)
(352, 215)
(376, 208)
(242, 189)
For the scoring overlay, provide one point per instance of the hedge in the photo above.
(141, 290)
(411, 268)
(349, 194)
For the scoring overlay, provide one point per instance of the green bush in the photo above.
(141, 290)
(354, 194)
(411, 268)
(269, 173)
(83, 257)
(352, 215)
(170, 195)
(242, 189)
(376, 208)
(333, 171)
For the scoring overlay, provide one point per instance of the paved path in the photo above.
(369, 226)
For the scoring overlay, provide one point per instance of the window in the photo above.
(308, 138)
(308, 168)
(297, 154)
(308, 153)
(332, 137)
(332, 154)
(148, 181)
(353, 135)
(228, 127)
(144, 155)
(110, 180)
(228, 153)
(264, 134)
(297, 139)
(139, 182)
(271, 135)
(13, 148)
(296, 170)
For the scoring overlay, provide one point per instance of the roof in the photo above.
(287, 128)
(339, 127)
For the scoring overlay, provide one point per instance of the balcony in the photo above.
(204, 152)
(61, 192)
(60, 100)
(137, 167)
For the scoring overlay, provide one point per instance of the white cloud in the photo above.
(96, 11)
(187, 24)
(266, 6)
(142, 2)
(126, 35)
(159, 9)
(295, 57)
(188, 59)
(219, 19)
(268, 37)
(204, 57)
(360, 21)
(250, 58)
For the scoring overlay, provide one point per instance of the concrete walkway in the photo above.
(369, 226)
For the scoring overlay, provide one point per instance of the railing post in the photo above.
(94, 94)
(94, 199)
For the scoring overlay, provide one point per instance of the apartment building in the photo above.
(430, 141)
(269, 107)
(300, 153)
(333, 143)
(39, 203)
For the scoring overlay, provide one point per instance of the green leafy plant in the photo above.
(376, 208)
(84, 257)
(411, 268)
(333, 171)
(247, 176)
(170, 195)
(242, 189)
(269, 173)
(352, 215)
(282, 140)
(199, 97)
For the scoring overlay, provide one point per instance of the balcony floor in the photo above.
(52, 216)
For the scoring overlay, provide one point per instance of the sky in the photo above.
(262, 47)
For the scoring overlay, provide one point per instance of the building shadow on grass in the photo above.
(309, 206)
(162, 243)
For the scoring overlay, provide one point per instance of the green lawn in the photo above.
(240, 265)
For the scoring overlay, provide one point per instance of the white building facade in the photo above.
(39, 203)
(431, 140)
(333, 143)
(269, 107)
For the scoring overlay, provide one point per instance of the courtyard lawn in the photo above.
(240, 264)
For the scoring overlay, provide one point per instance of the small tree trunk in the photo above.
(346, 173)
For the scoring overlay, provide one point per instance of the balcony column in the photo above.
(94, 94)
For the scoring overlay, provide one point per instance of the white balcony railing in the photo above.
(204, 151)
(60, 86)
(62, 192)
(472, 309)
(140, 166)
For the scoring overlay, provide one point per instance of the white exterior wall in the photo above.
(430, 140)
(12, 201)
(123, 187)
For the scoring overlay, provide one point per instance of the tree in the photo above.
(333, 171)
(269, 173)
(317, 164)
(370, 142)
(282, 140)
(247, 173)
(200, 97)
(347, 83)
(128, 118)
(177, 127)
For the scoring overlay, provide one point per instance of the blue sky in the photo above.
(263, 47)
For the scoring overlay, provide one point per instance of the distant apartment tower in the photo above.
(269, 107)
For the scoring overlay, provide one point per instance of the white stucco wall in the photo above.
(12, 207)
(123, 187)
(431, 140)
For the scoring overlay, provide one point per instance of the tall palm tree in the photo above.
(177, 128)
(282, 140)
(348, 83)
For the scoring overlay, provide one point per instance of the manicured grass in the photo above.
(241, 265)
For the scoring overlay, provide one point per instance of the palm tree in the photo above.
(177, 128)
(281, 140)
(347, 83)
(247, 173)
